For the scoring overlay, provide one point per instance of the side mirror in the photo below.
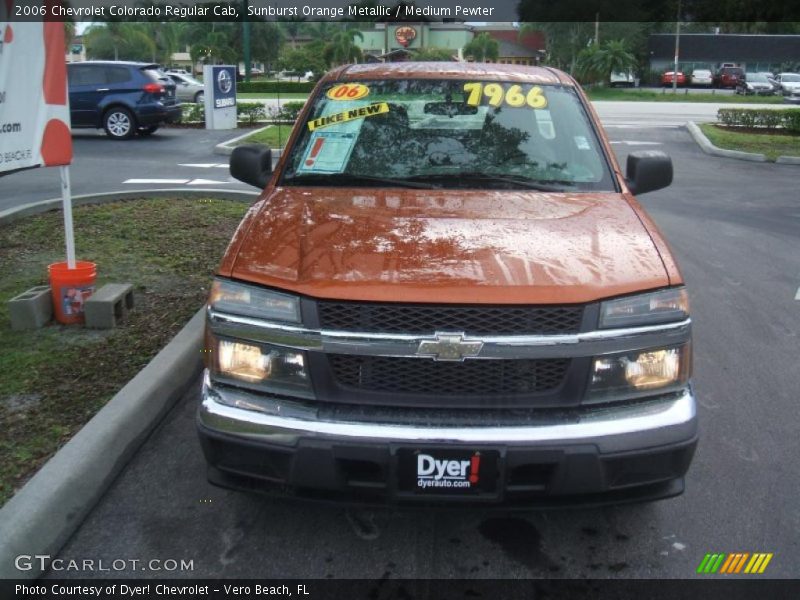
(252, 164)
(648, 171)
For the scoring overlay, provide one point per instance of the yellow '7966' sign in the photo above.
(498, 94)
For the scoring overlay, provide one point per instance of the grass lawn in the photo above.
(772, 145)
(667, 96)
(269, 96)
(274, 136)
(56, 378)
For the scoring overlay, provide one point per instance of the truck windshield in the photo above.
(448, 134)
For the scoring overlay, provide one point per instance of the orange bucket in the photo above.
(71, 288)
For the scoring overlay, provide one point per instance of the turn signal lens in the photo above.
(247, 300)
(645, 309)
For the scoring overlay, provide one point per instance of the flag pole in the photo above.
(66, 199)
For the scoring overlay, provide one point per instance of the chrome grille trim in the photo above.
(591, 343)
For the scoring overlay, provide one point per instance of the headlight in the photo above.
(272, 368)
(635, 374)
(251, 301)
(645, 309)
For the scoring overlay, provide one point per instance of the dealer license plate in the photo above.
(434, 471)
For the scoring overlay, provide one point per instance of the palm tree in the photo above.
(116, 39)
(596, 63)
(342, 49)
(482, 47)
(166, 40)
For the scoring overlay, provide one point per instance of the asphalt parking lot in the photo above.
(734, 228)
(171, 158)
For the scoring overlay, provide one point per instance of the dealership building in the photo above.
(709, 51)
(396, 41)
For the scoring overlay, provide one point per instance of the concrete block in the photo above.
(108, 305)
(31, 309)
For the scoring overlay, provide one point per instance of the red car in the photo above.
(728, 77)
(666, 78)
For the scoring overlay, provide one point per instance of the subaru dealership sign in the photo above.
(220, 96)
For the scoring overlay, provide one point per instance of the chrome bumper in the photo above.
(659, 421)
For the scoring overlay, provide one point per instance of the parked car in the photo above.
(124, 98)
(789, 82)
(622, 79)
(447, 292)
(773, 81)
(178, 71)
(754, 83)
(187, 88)
(702, 78)
(668, 77)
(728, 77)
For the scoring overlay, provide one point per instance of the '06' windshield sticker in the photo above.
(356, 113)
(348, 91)
(497, 94)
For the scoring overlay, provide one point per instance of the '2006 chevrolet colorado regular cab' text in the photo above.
(447, 292)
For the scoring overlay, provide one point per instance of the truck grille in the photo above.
(475, 320)
(470, 378)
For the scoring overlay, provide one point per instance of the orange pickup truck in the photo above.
(447, 293)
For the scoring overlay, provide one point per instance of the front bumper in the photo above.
(592, 455)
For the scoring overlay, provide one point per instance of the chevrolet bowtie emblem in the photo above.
(449, 346)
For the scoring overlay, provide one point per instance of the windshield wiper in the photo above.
(549, 185)
(349, 178)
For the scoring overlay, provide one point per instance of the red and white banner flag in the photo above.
(34, 103)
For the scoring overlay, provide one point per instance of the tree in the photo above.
(596, 63)
(119, 41)
(300, 60)
(69, 35)
(564, 41)
(266, 39)
(482, 47)
(292, 26)
(165, 38)
(213, 43)
(342, 48)
(433, 54)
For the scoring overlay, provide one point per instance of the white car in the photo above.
(187, 88)
(790, 83)
(702, 77)
(622, 79)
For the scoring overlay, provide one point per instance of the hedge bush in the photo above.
(289, 111)
(276, 87)
(250, 112)
(761, 118)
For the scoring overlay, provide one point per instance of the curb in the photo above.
(42, 516)
(709, 148)
(226, 148)
(34, 208)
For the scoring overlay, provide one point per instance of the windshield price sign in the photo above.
(497, 94)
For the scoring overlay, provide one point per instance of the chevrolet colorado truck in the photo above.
(447, 293)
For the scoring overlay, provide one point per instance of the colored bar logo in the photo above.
(735, 563)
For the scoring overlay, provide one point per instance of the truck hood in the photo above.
(454, 246)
